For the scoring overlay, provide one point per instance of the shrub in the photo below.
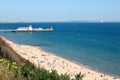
(79, 76)
(27, 71)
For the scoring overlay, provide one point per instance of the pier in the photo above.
(9, 30)
(28, 29)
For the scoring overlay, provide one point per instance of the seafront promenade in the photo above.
(50, 61)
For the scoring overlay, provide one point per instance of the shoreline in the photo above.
(52, 61)
(77, 63)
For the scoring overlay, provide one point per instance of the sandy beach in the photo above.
(50, 61)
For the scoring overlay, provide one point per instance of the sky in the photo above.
(59, 10)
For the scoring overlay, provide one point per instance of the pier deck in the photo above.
(10, 30)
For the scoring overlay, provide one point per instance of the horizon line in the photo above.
(77, 21)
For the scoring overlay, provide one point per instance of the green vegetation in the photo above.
(27, 71)
(79, 76)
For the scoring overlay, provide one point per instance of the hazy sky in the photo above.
(59, 10)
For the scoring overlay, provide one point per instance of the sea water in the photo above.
(96, 45)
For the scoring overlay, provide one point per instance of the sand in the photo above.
(50, 61)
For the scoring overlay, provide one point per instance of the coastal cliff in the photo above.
(8, 52)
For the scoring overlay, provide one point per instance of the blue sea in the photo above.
(96, 45)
